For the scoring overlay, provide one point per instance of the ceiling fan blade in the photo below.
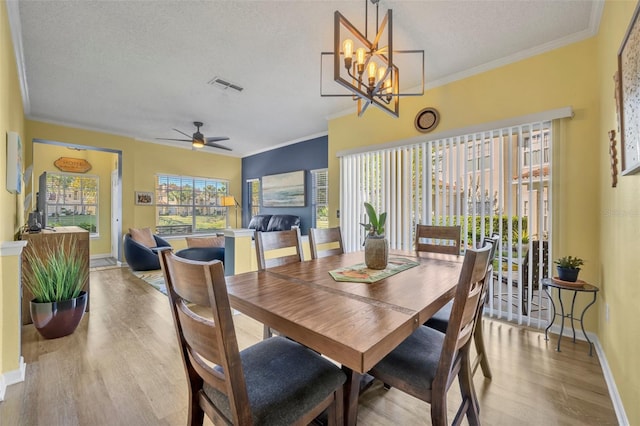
(183, 133)
(181, 140)
(215, 145)
(217, 139)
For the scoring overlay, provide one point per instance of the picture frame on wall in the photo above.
(144, 198)
(628, 97)
(283, 190)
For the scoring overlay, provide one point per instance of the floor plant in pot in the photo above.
(568, 268)
(376, 246)
(56, 278)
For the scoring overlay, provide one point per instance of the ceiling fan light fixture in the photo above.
(197, 143)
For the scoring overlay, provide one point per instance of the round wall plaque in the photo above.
(427, 119)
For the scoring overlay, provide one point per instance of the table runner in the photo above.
(359, 273)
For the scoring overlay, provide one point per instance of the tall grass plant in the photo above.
(57, 274)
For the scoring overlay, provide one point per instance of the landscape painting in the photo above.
(283, 190)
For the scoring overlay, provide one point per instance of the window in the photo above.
(186, 205)
(320, 197)
(253, 189)
(72, 200)
(479, 159)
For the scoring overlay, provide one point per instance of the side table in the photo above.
(548, 284)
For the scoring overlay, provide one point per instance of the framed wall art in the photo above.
(144, 198)
(283, 190)
(628, 97)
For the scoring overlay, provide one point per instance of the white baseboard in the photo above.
(611, 383)
(12, 377)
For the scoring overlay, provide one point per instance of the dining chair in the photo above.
(425, 364)
(440, 320)
(538, 265)
(277, 248)
(438, 239)
(274, 382)
(325, 242)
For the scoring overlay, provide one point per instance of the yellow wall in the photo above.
(102, 163)
(141, 161)
(619, 218)
(563, 77)
(11, 119)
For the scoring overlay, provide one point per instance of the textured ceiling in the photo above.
(140, 68)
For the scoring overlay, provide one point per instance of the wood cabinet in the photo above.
(37, 243)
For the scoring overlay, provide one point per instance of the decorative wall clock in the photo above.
(427, 119)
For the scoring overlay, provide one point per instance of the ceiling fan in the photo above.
(198, 140)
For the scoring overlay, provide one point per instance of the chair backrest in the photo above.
(325, 242)
(194, 289)
(468, 297)
(494, 240)
(438, 239)
(539, 265)
(285, 245)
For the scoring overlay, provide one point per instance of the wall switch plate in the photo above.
(606, 312)
(338, 213)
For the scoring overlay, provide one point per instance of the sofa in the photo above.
(273, 222)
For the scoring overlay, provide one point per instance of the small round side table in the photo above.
(579, 287)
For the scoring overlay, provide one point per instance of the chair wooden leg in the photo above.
(439, 409)
(469, 396)
(478, 339)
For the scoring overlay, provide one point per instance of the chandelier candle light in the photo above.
(366, 68)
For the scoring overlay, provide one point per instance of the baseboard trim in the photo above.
(12, 377)
(611, 383)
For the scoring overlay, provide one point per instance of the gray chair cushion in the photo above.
(284, 381)
(416, 360)
(440, 321)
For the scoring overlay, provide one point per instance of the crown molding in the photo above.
(13, 13)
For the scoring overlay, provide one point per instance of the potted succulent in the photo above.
(568, 268)
(376, 246)
(56, 278)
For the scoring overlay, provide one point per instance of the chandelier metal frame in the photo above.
(367, 88)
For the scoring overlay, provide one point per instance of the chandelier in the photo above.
(367, 68)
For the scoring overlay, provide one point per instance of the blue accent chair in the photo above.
(140, 257)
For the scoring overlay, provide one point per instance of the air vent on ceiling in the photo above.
(223, 84)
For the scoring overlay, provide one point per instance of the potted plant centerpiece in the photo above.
(56, 278)
(376, 246)
(568, 268)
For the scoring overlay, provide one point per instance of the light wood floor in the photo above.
(122, 367)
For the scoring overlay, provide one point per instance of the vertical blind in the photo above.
(490, 182)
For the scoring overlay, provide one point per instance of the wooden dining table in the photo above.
(355, 324)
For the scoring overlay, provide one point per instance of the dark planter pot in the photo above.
(568, 274)
(376, 252)
(58, 319)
